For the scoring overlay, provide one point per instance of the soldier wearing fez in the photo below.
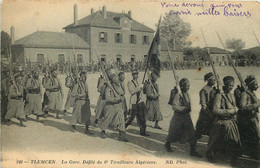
(81, 110)
(248, 122)
(137, 106)
(34, 96)
(70, 82)
(15, 107)
(224, 134)
(101, 88)
(205, 120)
(121, 77)
(152, 101)
(55, 97)
(113, 111)
(181, 128)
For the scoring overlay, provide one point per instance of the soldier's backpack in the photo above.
(174, 91)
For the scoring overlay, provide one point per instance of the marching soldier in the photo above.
(45, 79)
(34, 95)
(101, 87)
(248, 122)
(15, 107)
(70, 81)
(205, 120)
(181, 128)
(152, 101)
(56, 94)
(137, 106)
(5, 86)
(113, 111)
(224, 134)
(121, 76)
(81, 110)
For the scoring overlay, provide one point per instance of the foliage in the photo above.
(5, 43)
(174, 30)
(235, 44)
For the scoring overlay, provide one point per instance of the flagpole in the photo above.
(149, 54)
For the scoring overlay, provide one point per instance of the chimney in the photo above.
(130, 14)
(12, 34)
(92, 10)
(104, 11)
(75, 14)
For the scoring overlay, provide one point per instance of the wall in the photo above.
(217, 58)
(175, 56)
(112, 49)
(81, 31)
(52, 54)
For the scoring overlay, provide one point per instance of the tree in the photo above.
(5, 43)
(235, 45)
(175, 31)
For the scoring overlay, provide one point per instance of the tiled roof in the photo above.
(97, 20)
(216, 50)
(43, 39)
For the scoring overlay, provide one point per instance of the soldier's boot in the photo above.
(103, 134)
(193, 151)
(38, 118)
(57, 115)
(122, 136)
(143, 132)
(73, 128)
(25, 118)
(21, 123)
(168, 147)
(156, 125)
(8, 122)
(87, 131)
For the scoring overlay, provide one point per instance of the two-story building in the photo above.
(113, 36)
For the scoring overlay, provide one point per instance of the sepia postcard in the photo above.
(126, 83)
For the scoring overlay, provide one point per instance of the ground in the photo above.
(52, 139)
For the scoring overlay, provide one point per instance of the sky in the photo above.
(28, 16)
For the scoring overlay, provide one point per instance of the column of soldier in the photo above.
(231, 122)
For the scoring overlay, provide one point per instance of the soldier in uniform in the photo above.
(181, 127)
(70, 81)
(113, 111)
(205, 120)
(81, 109)
(54, 87)
(152, 101)
(15, 107)
(101, 87)
(45, 79)
(5, 85)
(34, 95)
(121, 76)
(137, 106)
(248, 122)
(224, 134)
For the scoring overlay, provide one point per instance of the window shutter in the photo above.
(105, 36)
(121, 38)
(99, 36)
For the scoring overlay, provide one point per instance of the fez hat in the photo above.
(183, 81)
(208, 76)
(112, 73)
(249, 79)
(228, 78)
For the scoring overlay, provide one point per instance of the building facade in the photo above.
(112, 36)
(56, 47)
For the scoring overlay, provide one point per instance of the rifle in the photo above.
(173, 70)
(239, 76)
(74, 56)
(219, 85)
(104, 73)
(69, 65)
